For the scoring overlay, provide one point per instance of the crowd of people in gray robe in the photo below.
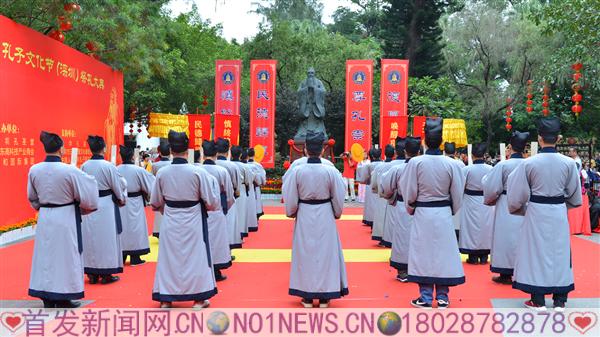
(92, 219)
(515, 211)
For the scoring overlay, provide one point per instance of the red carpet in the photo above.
(266, 284)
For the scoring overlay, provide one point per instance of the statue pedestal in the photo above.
(297, 149)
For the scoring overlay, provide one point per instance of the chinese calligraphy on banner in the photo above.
(227, 95)
(394, 96)
(199, 130)
(418, 126)
(392, 127)
(262, 110)
(161, 123)
(227, 127)
(359, 78)
(46, 85)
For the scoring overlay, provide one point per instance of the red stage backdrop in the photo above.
(228, 127)
(227, 97)
(262, 110)
(359, 92)
(392, 127)
(394, 98)
(418, 126)
(199, 126)
(46, 85)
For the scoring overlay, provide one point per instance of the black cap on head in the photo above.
(412, 145)
(179, 141)
(251, 152)
(433, 132)
(548, 126)
(389, 151)
(197, 156)
(479, 150)
(244, 154)
(374, 154)
(210, 148)
(222, 145)
(449, 148)
(126, 153)
(518, 141)
(314, 142)
(164, 149)
(236, 152)
(96, 143)
(400, 144)
(52, 142)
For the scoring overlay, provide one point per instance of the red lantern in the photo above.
(286, 164)
(577, 66)
(529, 102)
(69, 7)
(331, 142)
(545, 112)
(576, 109)
(139, 130)
(91, 46)
(545, 97)
(66, 26)
(545, 104)
(529, 96)
(576, 77)
(577, 97)
(57, 35)
(529, 109)
(508, 113)
(508, 120)
(508, 127)
(291, 142)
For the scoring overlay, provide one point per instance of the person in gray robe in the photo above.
(381, 205)
(102, 253)
(507, 227)
(244, 186)
(400, 220)
(542, 188)
(164, 151)
(61, 193)
(134, 239)
(251, 219)
(363, 176)
(235, 238)
(450, 152)
(432, 188)
(261, 178)
(476, 218)
(317, 268)
(217, 221)
(184, 193)
(388, 226)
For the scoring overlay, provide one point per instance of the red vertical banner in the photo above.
(359, 93)
(227, 95)
(394, 94)
(392, 127)
(262, 110)
(227, 127)
(418, 126)
(199, 128)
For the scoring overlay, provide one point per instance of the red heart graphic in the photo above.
(13, 321)
(582, 322)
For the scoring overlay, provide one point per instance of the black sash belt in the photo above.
(399, 198)
(104, 193)
(77, 220)
(192, 203)
(473, 192)
(224, 202)
(314, 201)
(540, 199)
(135, 194)
(439, 203)
(504, 192)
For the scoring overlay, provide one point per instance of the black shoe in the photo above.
(323, 303)
(442, 304)
(472, 261)
(49, 304)
(109, 279)
(156, 235)
(138, 262)
(219, 276)
(93, 279)
(232, 258)
(483, 260)
(68, 304)
(307, 303)
(419, 303)
(502, 279)
(125, 258)
(402, 277)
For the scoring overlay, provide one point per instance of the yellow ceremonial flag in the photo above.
(161, 123)
(454, 131)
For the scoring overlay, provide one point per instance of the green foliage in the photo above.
(434, 97)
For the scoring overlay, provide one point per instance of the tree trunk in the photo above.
(414, 36)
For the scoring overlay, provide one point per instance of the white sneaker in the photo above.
(201, 305)
(323, 304)
(307, 304)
